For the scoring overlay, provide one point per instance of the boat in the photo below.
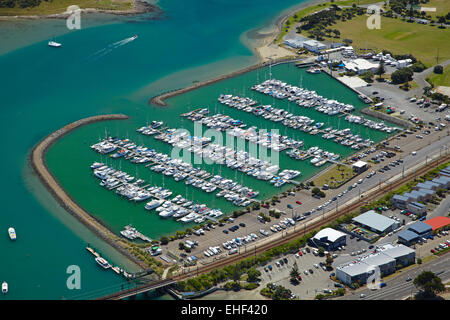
(12, 233)
(54, 44)
(153, 204)
(5, 287)
(103, 263)
(134, 37)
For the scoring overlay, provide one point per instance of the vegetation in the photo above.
(44, 7)
(429, 284)
(276, 292)
(402, 75)
(440, 79)
(316, 191)
(398, 36)
(335, 176)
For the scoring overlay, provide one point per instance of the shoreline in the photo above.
(38, 163)
(263, 51)
(159, 100)
(138, 7)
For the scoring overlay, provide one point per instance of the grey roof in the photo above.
(400, 197)
(354, 269)
(441, 180)
(417, 204)
(396, 251)
(427, 185)
(377, 259)
(408, 235)
(375, 221)
(420, 227)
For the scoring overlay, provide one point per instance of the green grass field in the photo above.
(442, 7)
(399, 37)
(295, 17)
(59, 6)
(440, 79)
(335, 177)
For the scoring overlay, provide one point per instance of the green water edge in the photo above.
(70, 157)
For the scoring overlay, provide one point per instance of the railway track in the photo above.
(373, 195)
(317, 224)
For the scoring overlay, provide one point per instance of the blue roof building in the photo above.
(407, 237)
(443, 182)
(420, 228)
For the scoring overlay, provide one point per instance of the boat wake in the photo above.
(109, 48)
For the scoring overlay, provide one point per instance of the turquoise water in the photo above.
(75, 175)
(42, 89)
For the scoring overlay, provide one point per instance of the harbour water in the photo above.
(43, 89)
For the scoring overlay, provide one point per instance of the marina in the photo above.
(175, 168)
(169, 208)
(310, 99)
(303, 123)
(234, 159)
(228, 163)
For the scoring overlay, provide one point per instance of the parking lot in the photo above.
(311, 283)
(215, 237)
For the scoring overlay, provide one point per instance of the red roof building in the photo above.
(438, 222)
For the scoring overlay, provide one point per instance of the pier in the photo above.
(189, 174)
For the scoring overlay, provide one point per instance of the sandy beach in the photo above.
(266, 48)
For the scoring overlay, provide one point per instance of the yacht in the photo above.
(5, 287)
(12, 233)
(153, 204)
(103, 263)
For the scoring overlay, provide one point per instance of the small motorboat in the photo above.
(5, 287)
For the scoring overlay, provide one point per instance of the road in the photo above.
(398, 288)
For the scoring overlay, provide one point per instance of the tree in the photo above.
(253, 275)
(321, 251)
(164, 240)
(381, 70)
(402, 75)
(429, 283)
(441, 20)
(329, 262)
(367, 76)
(438, 69)
(294, 273)
(181, 246)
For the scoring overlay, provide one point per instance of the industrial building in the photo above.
(400, 201)
(359, 166)
(417, 208)
(376, 222)
(414, 233)
(437, 223)
(360, 66)
(386, 258)
(329, 239)
(314, 46)
(442, 181)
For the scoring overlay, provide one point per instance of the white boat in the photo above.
(103, 263)
(5, 287)
(12, 233)
(153, 204)
(54, 44)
